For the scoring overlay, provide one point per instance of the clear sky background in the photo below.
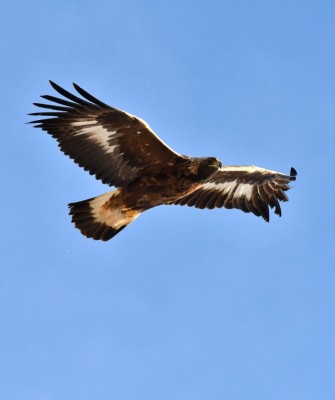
(183, 304)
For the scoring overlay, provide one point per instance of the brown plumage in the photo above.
(123, 151)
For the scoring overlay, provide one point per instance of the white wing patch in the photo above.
(239, 190)
(83, 123)
(101, 135)
(244, 189)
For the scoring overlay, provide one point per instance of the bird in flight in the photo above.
(122, 151)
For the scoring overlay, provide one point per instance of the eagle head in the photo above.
(208, 166)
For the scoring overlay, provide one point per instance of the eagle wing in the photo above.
(111, 144)
(248, 188)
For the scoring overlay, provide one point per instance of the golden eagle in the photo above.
(123, 151)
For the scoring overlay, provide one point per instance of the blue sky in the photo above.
(183, 304)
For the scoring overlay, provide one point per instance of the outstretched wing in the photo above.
(250, 189)
(111, 144)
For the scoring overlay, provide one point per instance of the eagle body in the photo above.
(123, 151)
(168, 184)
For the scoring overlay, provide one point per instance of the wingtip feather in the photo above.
(88, 96)
(293, 173)
(53, 84)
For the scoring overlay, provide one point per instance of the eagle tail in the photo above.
(101, 217)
